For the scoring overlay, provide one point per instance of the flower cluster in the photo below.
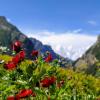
(34, 53)
(47, 81)
(15, 60)
(48, 58)
(20, 56)
(10, 65)
(17, 46)
(37, 80)
(22, 94)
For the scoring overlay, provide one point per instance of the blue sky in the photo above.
(53, 15)
(69, 26)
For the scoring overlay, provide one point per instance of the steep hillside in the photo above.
(9, 33)
(89, 59)
(42, 48)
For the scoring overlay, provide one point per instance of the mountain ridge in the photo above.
(10, 33)
(90, 58)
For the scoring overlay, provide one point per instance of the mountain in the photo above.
(43, 48)
(89, 59)
(10, 33)
(95, 49)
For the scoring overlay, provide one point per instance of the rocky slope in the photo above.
(10, 33)
(88, 60)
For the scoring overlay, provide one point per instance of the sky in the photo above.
(69, 26)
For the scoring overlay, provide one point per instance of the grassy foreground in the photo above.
(68, 84)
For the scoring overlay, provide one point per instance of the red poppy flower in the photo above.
(17, 46)
(16, 59)
(17, 43)
(34, 53)
(17, 98)
(24, 93)
(11, 98)
(52, 80)
(22, 55)
(10, 65)
(49, 58)
(47, 81)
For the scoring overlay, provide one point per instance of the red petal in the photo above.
(24, 93)
(10, 65)
(16, 59)
(52, 80)
(45, 82)
(17, 43)
(49, 58)
(16, 46)
(34, 53)
(22, 55)
(11, 98)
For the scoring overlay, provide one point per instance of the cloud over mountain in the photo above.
(70, 44)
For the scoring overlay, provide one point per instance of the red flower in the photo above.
(17, 46)
(22, 55)
(47, 81)
(34, 53)
(11, 98)
(18, 43)
(10, 65)
(49, 58)
(17, 98)
(16, 59)
(52, 80)
(24, 93)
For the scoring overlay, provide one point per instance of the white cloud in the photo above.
(68, 44)
(92, 22)
(9, 20)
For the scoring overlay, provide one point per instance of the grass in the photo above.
(77, 86)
